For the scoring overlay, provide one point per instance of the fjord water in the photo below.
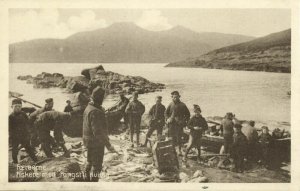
(256, 96)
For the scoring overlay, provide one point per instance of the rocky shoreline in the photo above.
(114, 83)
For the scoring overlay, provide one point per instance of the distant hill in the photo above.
(271, 53)
(122, 42)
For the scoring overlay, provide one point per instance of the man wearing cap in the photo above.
(239, 146)
(177, 116)
(197, 124)
(95, 134)
(32, 118)
(52, 121)
(135, 109)
(250, 132)
(68, 107)
(227, 131)
(19, 131)
(157, 120)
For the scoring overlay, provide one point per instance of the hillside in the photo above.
(271, 53)
(121, 42)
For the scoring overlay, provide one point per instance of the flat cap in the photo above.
(49, 100)
(175, 93)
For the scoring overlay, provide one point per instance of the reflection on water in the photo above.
(250, 95)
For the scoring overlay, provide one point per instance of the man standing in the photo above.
(19, 131)
(227, 130)
(239, 147)
(177, 116)
(135, 109)
(157, 120)
(32, 118)
(52, 121)
(252, 138)
(95, 134)
(197, 124)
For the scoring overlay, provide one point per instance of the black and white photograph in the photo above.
(149, 95)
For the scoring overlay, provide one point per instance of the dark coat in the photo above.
(95, 132)
(18, 125)
(197, 121)
(135, 109)
(33, 116)
(239, 145)
(156, 113)
(178, 112)
(51, 121)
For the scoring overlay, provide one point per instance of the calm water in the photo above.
(250, 95)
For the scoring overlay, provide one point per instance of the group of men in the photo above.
(95, 129)
(31, 130)
(243, 142)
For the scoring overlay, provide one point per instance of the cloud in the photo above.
(86, 21)
(153, 20)
(45, 23)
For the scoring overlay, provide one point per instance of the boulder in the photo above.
(91, 72)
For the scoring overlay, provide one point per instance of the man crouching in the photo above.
(95, 134)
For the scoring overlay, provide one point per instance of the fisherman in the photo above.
(250, 132)
(119, 110)
(135, 109)
(19, 131)
(177, 116)
(239, 147)
(157, 120)
(265, 141)
(95, 134)
(52, 121)
(227, 131)
(198, 125)
(32, 118)
(68, 107)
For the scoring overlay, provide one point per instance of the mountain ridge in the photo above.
(119, 42)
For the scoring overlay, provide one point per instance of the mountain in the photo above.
(271, 53)
(121, 42)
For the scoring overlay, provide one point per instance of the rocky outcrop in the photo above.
(113, 82)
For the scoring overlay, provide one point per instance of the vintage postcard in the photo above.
(142, 95)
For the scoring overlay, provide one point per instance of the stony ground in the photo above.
(136, 165)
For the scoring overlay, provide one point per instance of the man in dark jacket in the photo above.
(157, 120)
(239, 148)
(177, 116)
(95, 134)
(135, 109)
(19, 131)
(265, 141)
(68, 107)
(32, 119)
(227, 130)
(197, 124)
(52, 121)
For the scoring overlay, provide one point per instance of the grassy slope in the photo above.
(271, 53)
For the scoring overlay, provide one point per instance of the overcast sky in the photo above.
(27, 24)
